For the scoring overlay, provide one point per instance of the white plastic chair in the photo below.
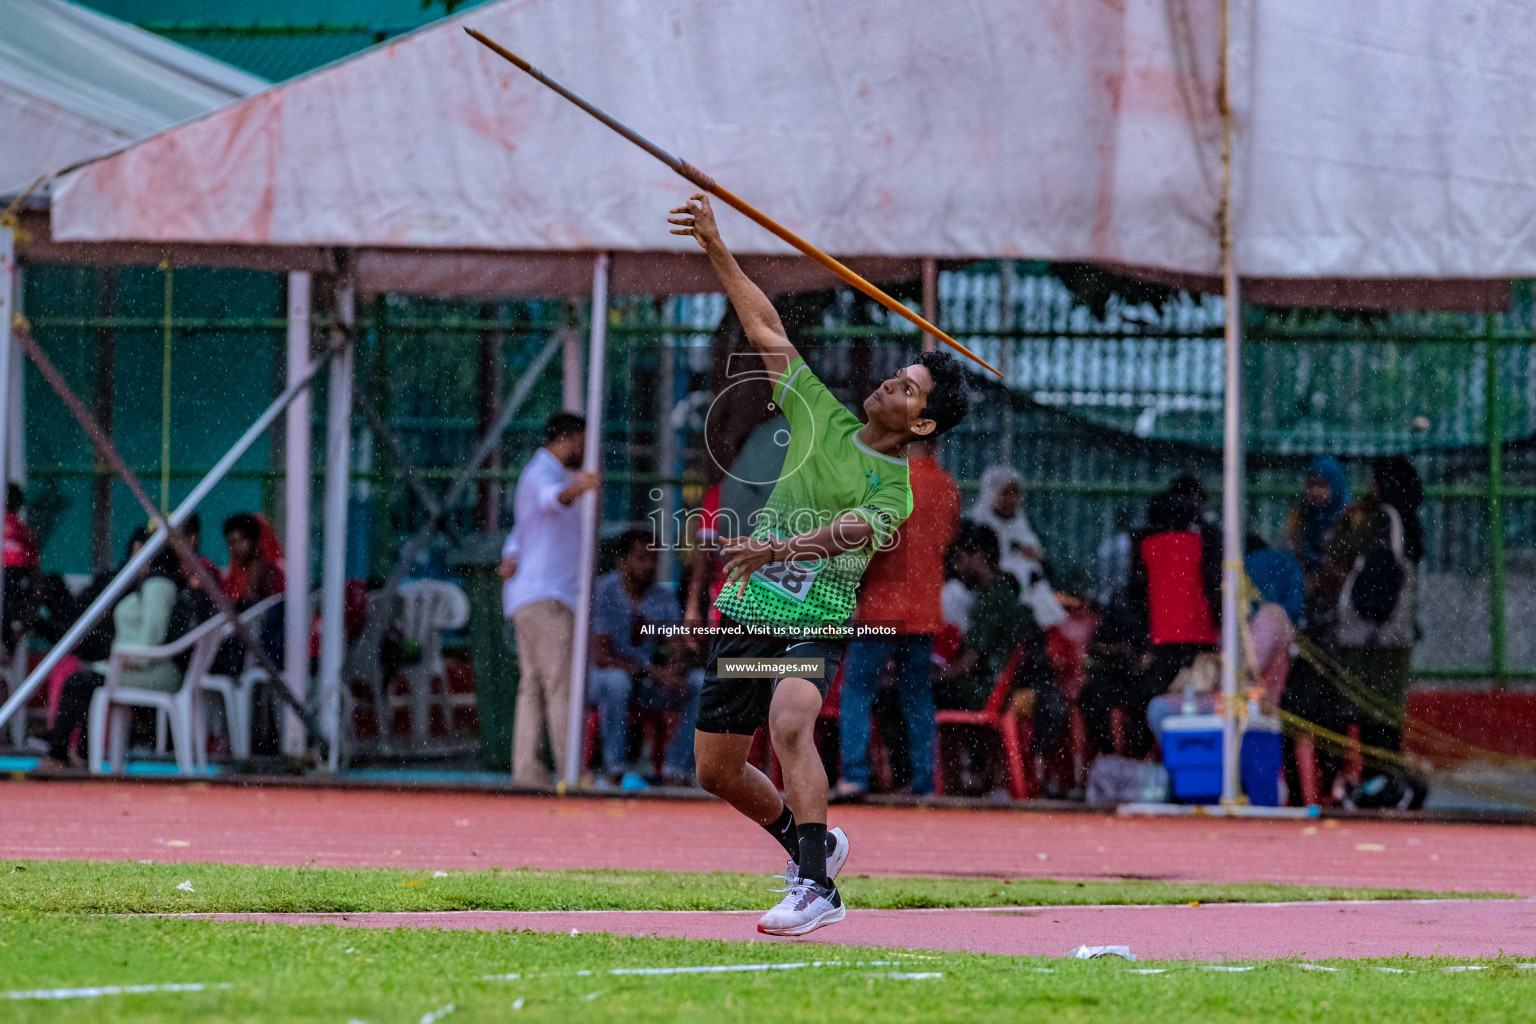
(363, 663)
(107, 727)
(237, 692)
(427, 608)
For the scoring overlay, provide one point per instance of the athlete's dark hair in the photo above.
(948, 400)
(974, 538)
(563, 424)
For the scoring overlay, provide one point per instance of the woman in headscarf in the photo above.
(1323, 500)
(1375, 644)
(1308, 694)
(255, 560)
(1000, 507)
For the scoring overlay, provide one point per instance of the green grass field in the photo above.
(87, 887)
(58, 930)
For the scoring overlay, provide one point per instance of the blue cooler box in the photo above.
(1192, 755)
(1261, 760)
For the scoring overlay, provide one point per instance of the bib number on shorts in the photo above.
(789, 579)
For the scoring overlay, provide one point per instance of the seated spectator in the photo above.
(955, 598)
(1175, 589)
(629, 669)
(22, 559)
(1115, 557)
(192, 533)
(1000, 507)
(255, 570)
(1266, 664)
(142, 618)
(1276, 575)
(998, 626)
(1117, 660)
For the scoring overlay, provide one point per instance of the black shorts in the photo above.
(738, 706)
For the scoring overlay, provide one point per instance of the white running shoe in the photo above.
(805, 907)
(835, 859)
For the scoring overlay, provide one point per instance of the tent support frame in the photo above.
(333, 541)
(1232, 441)
(602, 267)
(126, 576)
(296, 453)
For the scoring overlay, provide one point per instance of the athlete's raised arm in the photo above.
(758, 317)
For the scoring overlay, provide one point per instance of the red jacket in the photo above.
(1179, 606)
(902, 583)
(20, 544)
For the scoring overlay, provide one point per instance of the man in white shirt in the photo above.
(540, 562)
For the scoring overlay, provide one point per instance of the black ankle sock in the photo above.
(813, 852)
(783, 830)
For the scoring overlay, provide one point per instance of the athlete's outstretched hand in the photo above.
(746, 555)
(696, 219)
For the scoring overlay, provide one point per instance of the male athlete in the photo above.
(842, 493)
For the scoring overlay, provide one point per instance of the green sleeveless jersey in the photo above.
(827, 472)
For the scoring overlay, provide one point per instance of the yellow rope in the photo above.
(1374, 704)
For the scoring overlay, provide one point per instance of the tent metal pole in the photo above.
(930, 299)
(570, 370)
(930, 303)
(1231, 540)
(590, 503)
(1232, 442)
(16, 456)
(296, 612)
(1494, 428)
(338, 471)
(1008, 348)
(8, 281)
(666, 493)
(126, 576)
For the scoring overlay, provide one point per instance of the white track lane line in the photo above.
(97, 991)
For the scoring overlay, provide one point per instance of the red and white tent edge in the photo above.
(1370, 143)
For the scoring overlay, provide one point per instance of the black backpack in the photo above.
(1378, 585)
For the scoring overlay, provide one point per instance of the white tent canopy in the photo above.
(1373, 140)
(75, 84)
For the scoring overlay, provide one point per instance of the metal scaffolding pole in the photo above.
(333, 569)
(296, 610)
(9, 275)
(1232, 446)
(1494, 427)
(590, 503)
(126, 576)
(666, 493)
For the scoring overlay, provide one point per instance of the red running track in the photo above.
(340, 827)
(1455, 928)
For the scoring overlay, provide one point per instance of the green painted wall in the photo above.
(221, 381)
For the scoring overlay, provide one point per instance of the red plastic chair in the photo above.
(996, 715)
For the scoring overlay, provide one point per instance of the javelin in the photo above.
(708, 184)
